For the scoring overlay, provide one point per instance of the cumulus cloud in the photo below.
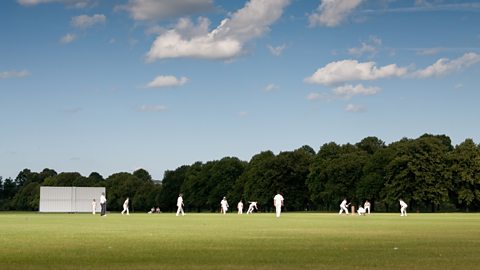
(355, 108)
(164, 9)
(225, 41)
(69, 3)
(315, 96)
(445, 66)
(85, 21)
(152, 108)
(14, 74)
(271, 87)
(333, 12)
(351, 70)
(277, 51)
(348, 91)
(68, 38)
(372, 46)
(167, 81)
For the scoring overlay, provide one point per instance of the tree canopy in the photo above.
(428, 172)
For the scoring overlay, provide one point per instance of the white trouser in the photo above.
(343, 208)
(367, 209)
(278, 209)
(250, 210)
(403, 211)
(125, 209)
(240, 210)
(180, 210)
(224, 209)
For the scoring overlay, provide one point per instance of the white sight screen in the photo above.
(69, 199)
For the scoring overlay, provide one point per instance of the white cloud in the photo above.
(271, 87)
(85, 21)
(348, 91)
(352, 70)
(69, 3)
(225, 41)
(167, 81)
(242, 114)
(333, 12)
(164, 9)
(68, 38)
(277, 51)
(14, 74)
(152, 108)
(372, 46)
(445, 66)
(315, 96)
(355, 108)
(458, 86)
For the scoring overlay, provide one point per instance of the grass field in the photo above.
(259, 241)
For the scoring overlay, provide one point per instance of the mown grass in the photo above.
(259, 241)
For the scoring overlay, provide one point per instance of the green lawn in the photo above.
(259, 241)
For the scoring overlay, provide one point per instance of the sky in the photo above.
(114, 86)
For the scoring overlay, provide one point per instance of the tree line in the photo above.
(427, 172)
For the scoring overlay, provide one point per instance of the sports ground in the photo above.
(258, 241)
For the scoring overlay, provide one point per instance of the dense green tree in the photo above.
(96, 180)
(195, 186)
(292, 169)
(258, 178)
(427, 172)
(144, 197)
(119, 186)
(418, 172)
(8, 191)
(465, 169)
(143, 175)
(66, 179)
(334, 174)
(27, 198)
(222, 178)
(371, 183)
(171, 185)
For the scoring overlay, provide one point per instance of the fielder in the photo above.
(240, 207)
(403, 208)
(224, 206)
(361, 211)
(251, 206)
(343, 207)
(94, 206)
(366, 205)
(180, 205)
(125, 207)
(278, 203)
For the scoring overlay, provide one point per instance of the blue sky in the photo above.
(111, 86)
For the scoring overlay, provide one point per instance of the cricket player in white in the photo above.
(125, 207)
(94, 206)
(224, 206)
(343, 207)
(180, 205)
(361, 211)
(366, 205)
(251, 206)
(278, 203)
(240, 207)
(103, 205)
(403, 208)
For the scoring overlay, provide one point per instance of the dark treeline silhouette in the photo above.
(428, 173)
